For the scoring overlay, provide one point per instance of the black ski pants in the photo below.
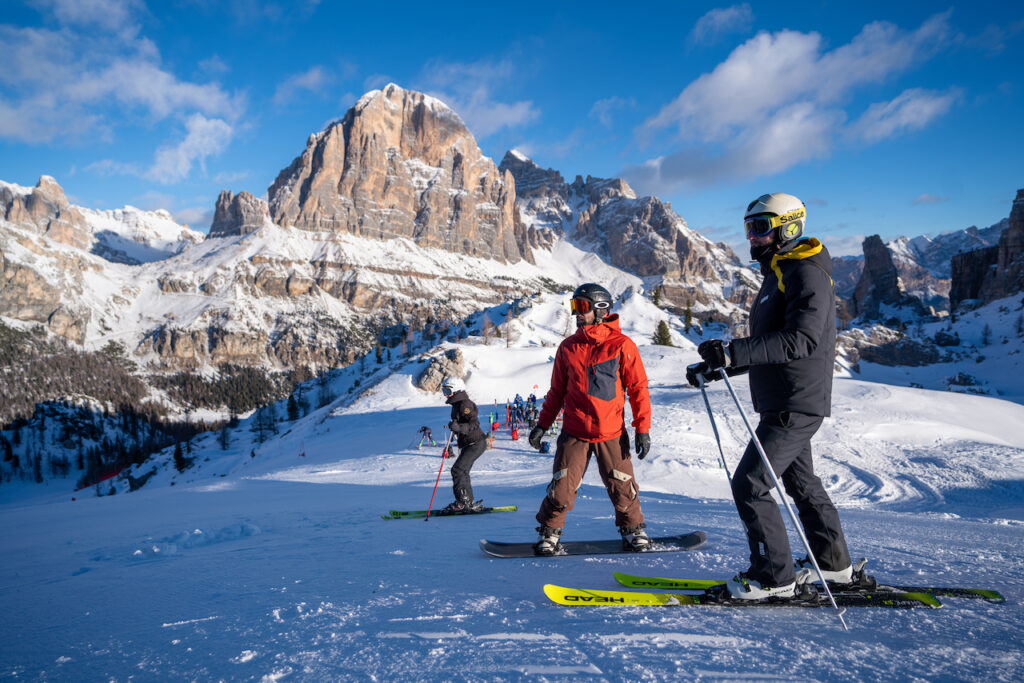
(786, 438)
(460, 471)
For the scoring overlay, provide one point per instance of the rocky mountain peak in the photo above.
(402, 164)
(880, 283)
(996, 271)
(238, 214)
(642, 235)
(532, 180)
(46, 210)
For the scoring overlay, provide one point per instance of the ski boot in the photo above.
(742, 587)
(548, 544)
(457, 507)
(635, 538)
(841, 577)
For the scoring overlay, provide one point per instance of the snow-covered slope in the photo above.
(132, 236)
(270, 560)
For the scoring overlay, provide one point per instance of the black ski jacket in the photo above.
(464, 414)
(792, 344)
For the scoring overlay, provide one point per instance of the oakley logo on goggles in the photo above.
(759, 226)
(582, 306)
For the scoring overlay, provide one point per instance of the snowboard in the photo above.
(664, 544)
(421, 514)
(718, 595)
(863, 583)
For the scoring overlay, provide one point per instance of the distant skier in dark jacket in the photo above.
(471, 440)
(790, 355)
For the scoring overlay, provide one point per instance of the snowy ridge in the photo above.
(133, 236)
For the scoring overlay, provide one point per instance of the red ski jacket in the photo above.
(594, 369)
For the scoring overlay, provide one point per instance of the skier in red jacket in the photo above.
(594, 370)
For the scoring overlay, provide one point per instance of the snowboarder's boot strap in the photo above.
(741, 587)
(635, 538)
(840, 576)
(476, 506)
(548, 543)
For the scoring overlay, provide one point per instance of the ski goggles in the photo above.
(759, 226)
(584, 306)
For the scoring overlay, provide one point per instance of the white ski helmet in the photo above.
(777, 211)
(453, 384)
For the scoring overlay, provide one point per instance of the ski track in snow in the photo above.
(279, 567)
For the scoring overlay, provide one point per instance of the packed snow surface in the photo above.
(271, 561)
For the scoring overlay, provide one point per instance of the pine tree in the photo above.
(656, 297)
(1019, 325)
(224, 438)
(293, 409)
(380, 355)
(180, 462)
(986, 335)
(662, 335)
(688, 317)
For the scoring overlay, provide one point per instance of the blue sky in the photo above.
(885, 118)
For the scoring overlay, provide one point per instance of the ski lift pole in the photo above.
(785, 501)
(444, 456)
(714, 428)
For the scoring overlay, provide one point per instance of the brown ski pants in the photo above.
(571, 459)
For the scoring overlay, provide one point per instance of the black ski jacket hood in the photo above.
(791, 348)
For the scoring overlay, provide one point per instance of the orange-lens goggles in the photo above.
(583, 306)
(579, 306)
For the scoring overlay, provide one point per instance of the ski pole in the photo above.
(714, 428)
(785, 501)
(443, 458)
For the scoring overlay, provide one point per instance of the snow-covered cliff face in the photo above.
(641, 235)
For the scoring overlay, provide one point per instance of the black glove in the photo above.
(698, 371)
(454, 425)
(643, 445)
(714, 354)
(446, 453)
(536, 434)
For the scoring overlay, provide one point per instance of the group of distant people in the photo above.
(789, 356)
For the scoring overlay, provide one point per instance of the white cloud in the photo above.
(197, 217)
(214, 65)
(793, 134)
(467, 88)
(151, 200)
(912, 110)
(65, 84)
(112, 15)
(108, 167)
(376, 82)
(720, 22)
(602, 109)
(843, 245)
(316, 79)
(928, 199)
(159, 93)
(205, 137)
(777, 101)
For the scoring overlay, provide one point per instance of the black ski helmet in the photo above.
(600, 298)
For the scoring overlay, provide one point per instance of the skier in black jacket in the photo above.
(471, 440)
(790, 355)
